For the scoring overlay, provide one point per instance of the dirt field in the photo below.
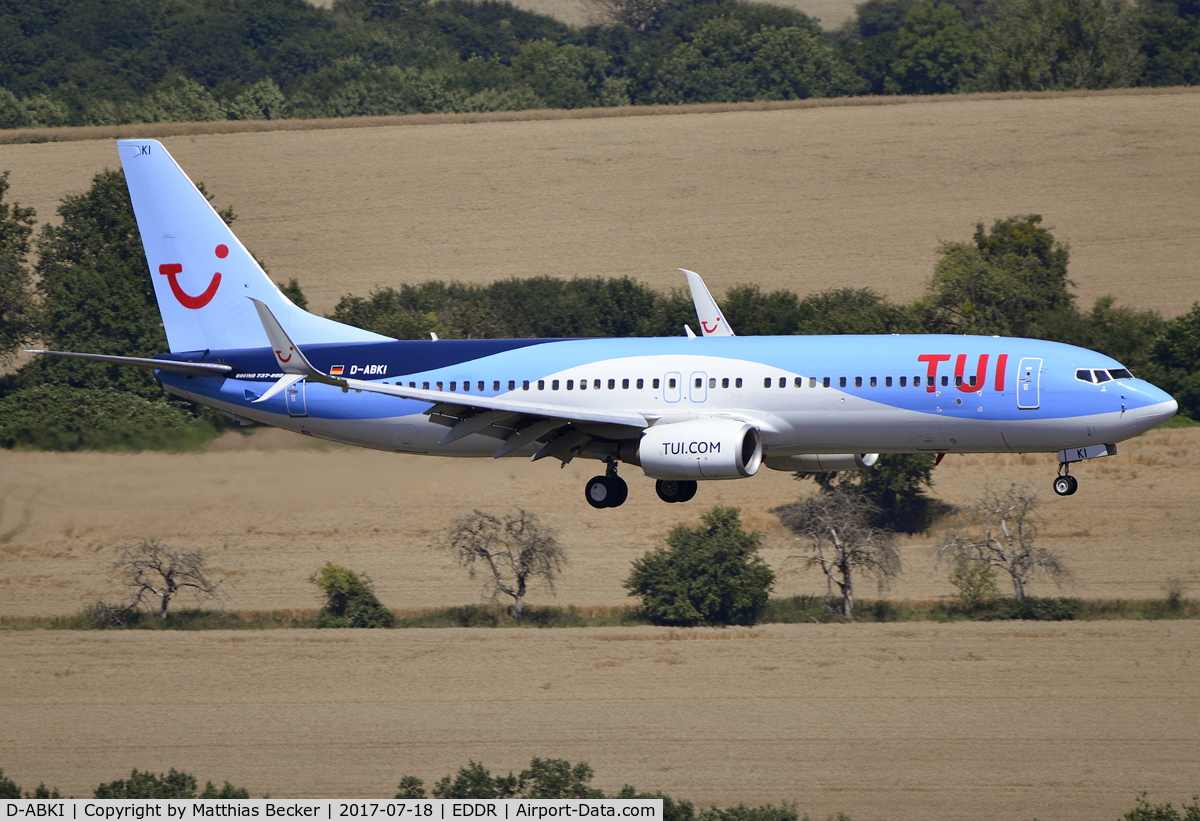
(882, 722)
(896, 722)
(830, 13)
(805, 199)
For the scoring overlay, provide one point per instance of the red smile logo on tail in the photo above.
(173, 270)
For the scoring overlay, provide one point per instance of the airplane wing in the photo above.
(559, 428)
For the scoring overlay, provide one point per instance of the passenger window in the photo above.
(439, 386)
(655, 384)
(783, 381)
(958, 381)
(671, 382)
(412, 384)
(612, 384)
(887, 381)
(596, 384)
(525, 385)
(904, 381)
(737, 382)
(873, 382)
(1102, 376)
(971, 381)
(424, 386)
(640, 383)
(812, 381)
(841, 381)
(725, 382)
(454, 384)
(541, 384)
(554, 385)
(624, 384)
(570, 384)
(799, 382)
(512, 384)
(858, 381)
(945, 381)
(767, 382)
(583, 384)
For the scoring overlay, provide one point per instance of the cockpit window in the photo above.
(1084, 374)
(1120, 373)
(1102, 376)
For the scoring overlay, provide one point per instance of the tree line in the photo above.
(106, 62)
(553, 778)
(88, 290)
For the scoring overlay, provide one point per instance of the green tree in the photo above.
(1175, 361)
(96, 294)
(350, 599)
(935, 52)
(1041, 45)
(556, 778)
(148, 785)
(16, 287)
(896, 487)
(1009, 281)
(474, 781)
(711, 574)
(1145, 811)
(8, 787)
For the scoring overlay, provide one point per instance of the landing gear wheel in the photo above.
(1066, 485)
(674, 491)
(598, 491)
(606, 491)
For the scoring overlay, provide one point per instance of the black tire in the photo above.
(620, 492)
(674, 491)
(689, 490)
(1074, 485)
(598, 491)
(1065, 485)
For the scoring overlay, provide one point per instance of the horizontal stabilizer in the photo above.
(189, 368)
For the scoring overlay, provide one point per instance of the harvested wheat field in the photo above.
(914, 721)
(806, 199)
(1004, 721)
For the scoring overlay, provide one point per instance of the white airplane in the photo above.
(683, 409)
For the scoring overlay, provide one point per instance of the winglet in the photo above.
(712, 321)
(290, 359)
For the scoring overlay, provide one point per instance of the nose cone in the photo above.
(1158, 412)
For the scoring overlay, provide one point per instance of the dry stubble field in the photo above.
(895, 722)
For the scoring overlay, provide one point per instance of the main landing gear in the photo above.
(671, 490)
(608, 490)
(1065, 484)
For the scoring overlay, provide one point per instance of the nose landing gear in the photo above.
(608, 490)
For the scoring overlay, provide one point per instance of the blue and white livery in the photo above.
(685, 409)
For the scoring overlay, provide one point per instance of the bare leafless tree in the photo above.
(514, 548)
(999, 530)
(836, 526)
(151, 569)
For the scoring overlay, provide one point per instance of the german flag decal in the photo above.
(336, 370)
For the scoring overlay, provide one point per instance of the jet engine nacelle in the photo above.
(822, 462)
(701, 449)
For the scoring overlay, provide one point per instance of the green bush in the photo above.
(56, 417)
(708, 575)
(350, 601)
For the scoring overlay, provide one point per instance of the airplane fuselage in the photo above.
(805, 394)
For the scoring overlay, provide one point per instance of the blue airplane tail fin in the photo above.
(202, 273)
